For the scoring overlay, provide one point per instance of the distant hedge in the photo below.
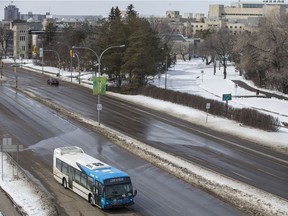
(245, 116)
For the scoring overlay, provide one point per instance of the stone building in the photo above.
(22, 38)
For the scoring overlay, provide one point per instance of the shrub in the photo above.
(245, 116)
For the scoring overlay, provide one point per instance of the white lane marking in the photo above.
(242, 176)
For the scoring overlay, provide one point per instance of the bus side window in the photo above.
(83, 179)
(77, 176)
(100, 188)
(58, 164)
(97, 187)
(64, 168)
(90, 184)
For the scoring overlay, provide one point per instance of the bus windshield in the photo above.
(119, 190)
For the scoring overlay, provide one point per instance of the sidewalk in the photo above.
(267, 94)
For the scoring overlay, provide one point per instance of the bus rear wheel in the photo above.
(64, 183)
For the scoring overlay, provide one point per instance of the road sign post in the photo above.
(1, 67)
(8, 147)
(236, 86)
(208, 105)
(202, 73)
(226, 97)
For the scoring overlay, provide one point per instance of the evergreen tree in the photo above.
(142, 57)
(112, 14)
(117, 12)
(50, 32)
(112, 32)
(131, 13)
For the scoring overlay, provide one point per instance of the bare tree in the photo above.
(207, 54)
(264, 55)
(181, 48)
(5, 37)
(220, 45)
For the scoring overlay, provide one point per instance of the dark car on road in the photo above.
(53, 81)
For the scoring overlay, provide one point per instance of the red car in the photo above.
(53, 81)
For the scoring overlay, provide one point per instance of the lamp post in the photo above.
(71, 56)
(166, 64)
(99, 105)
(166, 71)
(1, 64)
(41, 54)
(78, 65)
(76, 47)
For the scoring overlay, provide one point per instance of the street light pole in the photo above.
(99, 74)
(70, 54)
(78, 65)
(1, 63)
(41, 54)
(166, 71)
(99, 105)
(75, 47)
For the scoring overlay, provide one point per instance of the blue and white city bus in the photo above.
(102, 185)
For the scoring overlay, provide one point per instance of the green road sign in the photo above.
(226, 97)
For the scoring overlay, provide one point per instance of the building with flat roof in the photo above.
(244, 10)
(11, 12)
(246, 16)
(30, 17)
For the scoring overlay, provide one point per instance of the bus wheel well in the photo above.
(90, 199)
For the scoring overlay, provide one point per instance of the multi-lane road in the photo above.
(40, 130)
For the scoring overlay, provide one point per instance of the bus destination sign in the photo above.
(119, 180)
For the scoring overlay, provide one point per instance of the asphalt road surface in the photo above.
(40, 130)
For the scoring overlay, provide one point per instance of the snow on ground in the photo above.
(188, 77)
(31, 200)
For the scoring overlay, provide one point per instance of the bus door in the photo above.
(98, 193)
(70, 175)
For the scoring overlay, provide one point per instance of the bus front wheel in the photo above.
(64, 183)
(91, 200)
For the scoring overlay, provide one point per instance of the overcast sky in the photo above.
(98, 7)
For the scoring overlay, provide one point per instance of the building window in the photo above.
(22, 38)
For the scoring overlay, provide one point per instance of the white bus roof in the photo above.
(74, 155)
(68, 150)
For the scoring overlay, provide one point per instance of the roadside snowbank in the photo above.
(29, 199)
